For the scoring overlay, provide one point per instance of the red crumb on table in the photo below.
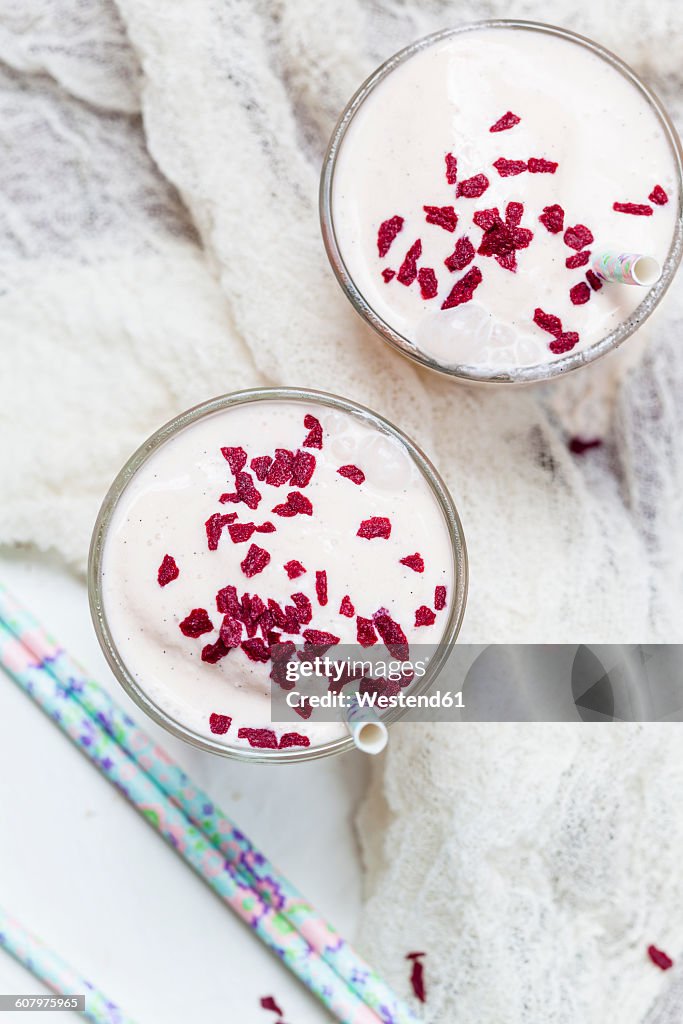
(635, 209)
(461, 255)
(509, 168)
(346, 607)
(424, 616)
(261, 465)
(321, 587)
(417, 975)
(388, 230)
(428, 284)
(439, 598)
(214, 527)
(463, 290)
(537, 165)
(268, 1003)
(265, 738)
(451, 169)
(236, 458)
(219, 724)
(352, 472)
(552, 218)
(593, 280)
(196, 623)
(303, 467)
(414, 562)
(443, 216)
(294, 569)
(296, 504)
(293, 739)
(578, 237)
(255, 561)
(376, 526)
(578, 445)
(660, 958)
(388, 274)
(472, 188)
(580, 293)
(658, 196)
(168, 571)
(365, 632)
(579, 259)
(508, 120)
(314, 438)
(407, 272)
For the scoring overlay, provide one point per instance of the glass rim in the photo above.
(190, 416)
(465, 372)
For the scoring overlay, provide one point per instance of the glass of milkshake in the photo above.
(259, 522)
(478, 189)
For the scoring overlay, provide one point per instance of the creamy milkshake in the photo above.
(261, 524)
(471, 189)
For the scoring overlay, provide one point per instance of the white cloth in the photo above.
(148, 266)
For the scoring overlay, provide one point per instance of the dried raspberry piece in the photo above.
(486, 219)
(219, 724)
(272, 637)
(244, 491)
(252, 608)
(461, 255)
(376, 526)
(255, 649)
(508, 261)
(593, 280)
(537, 165)
(236, 458)
(320, 638)
(513, 214)
(196, 623)
(472, 188)
(552, 218)
(509, 168)
(579, 259)
(388, 230)
(451, 169)
(304, 609)
(227, 603)
(304, 709)
(264, 738)
(580, 293)
(294, 569)
(577, 445)
(268, 1003)
(260, 465)
(564, 342)
(353, 473)
(276, 612)
(280, 655)
(281, 470)
(443, 216)
(660, 958)
(231, 631)
(255, 561)
(415, 562)
(168, 571)
(424, 616)
(635, 209)
(303, 467)
(428, 284)
(213, 653)
(407, 272)
(463, 290)
(547, 322)
(439, 598)
(294, 739)
(346, 607)
(321, 587)
(658, 196)
(417, 976)
(521, 237)
(240, 532)
(296, 504)
(214, 527)
(392, 635)
(508, 120)
(578, 237)
(365, 632)
(314, 438)
(388, 274)
(266, 527)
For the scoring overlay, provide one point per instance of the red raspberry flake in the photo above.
(579, 259)
(577, 445)
(508, 120)
(252, 608)
(388, 274)
(508, 261)
(314, 438)
(376, 526)
(395, 640)
(415, 562)
(168, 571)
(593, 280)
(658, 196)
(424, 616)
(636, 209)
(240, 532)
(547, 322)
(578, 237)
(304, 609)
(463, 290)
(346, 607)
(417, 976)
(256, 649)
(245, 491)
(266, 527)
(472, 188)
(294, 739)
(439, 598)
(214, 527)
(407, 272)
(255, 561)
(213, 653)
(294, 569)
(564, 342)
(261, 465)
(196, 623)
(461, 255)
(509, 168)
(281, 470)
(264, 738)
(292, 623)
(388, 230)
(580, 293)
(353, 473)
(296, 504)
(236, 458)
(486, 219)
(443, 216)
(321, 587)
(276, 612)
(219, 724)
(227, 603)
(231, 631)
(268, 1003)
(451, 169)
(537, 165)
(429, 286)
(303, 467)
(513, 214)
(320, 638)
(660, 958)
(552, 218)
(365, 632)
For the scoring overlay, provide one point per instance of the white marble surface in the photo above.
(81, 869)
